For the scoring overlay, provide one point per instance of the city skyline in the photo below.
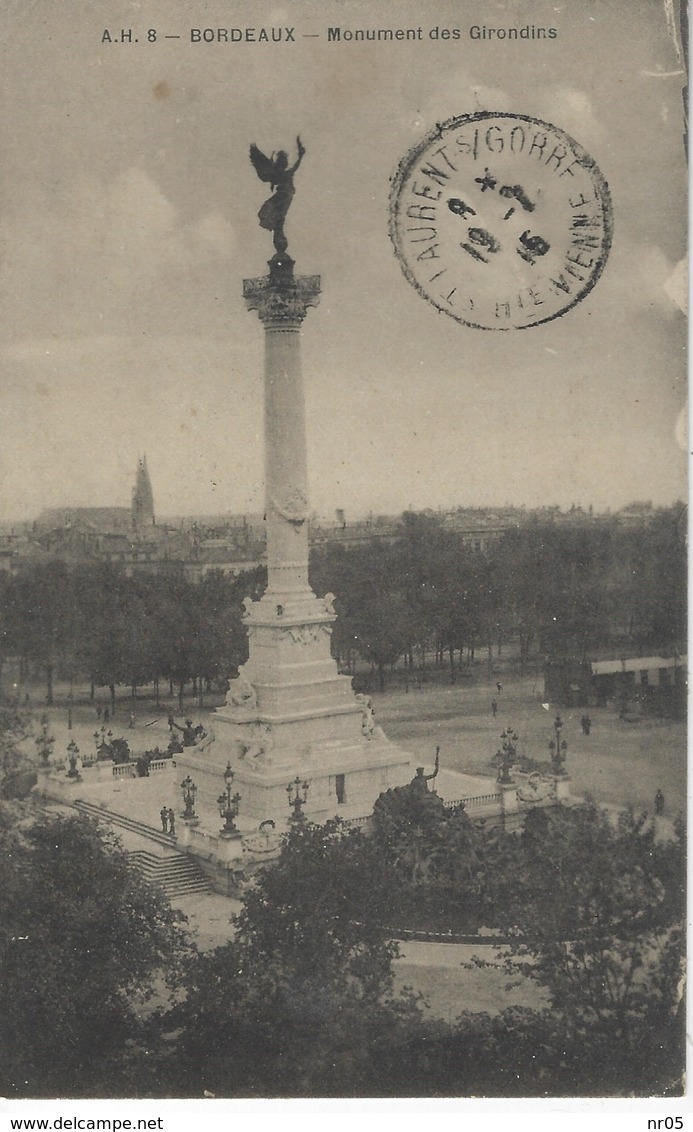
(338, 515)
(129, 221)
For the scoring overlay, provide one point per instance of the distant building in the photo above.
(653, 684)
(142, 498)
(102, 519)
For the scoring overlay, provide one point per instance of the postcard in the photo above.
(457, 231)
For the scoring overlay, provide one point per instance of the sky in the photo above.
(128, 220)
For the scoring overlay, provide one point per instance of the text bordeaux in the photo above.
(243, 35)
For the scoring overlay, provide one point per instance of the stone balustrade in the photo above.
(123, 770)
(474, 803)
(129, 770)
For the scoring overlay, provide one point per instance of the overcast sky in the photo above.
(128, 221)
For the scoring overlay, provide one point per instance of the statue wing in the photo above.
(264, 166)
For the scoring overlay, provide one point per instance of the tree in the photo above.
(433, 854)
(299, 1000)
(17, 775)
(597, 913)
(378, 620)
(82, 938)
(45, 614)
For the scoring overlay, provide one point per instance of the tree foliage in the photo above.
(563, 588)
(95, 621)
(82, 938)
(434, 857)
(297, 1003)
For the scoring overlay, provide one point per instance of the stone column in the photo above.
(282, 303)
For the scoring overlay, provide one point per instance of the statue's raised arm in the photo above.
(280, 176)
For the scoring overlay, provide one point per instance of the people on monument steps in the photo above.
(168, 820)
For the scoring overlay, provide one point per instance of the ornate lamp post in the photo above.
(44, 743)
(70, 701)
(189, 791)
(228, 806)
(507, 754)
(558, 750)
(72, 753)
(300, 791)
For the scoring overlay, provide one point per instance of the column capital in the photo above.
(282, 303)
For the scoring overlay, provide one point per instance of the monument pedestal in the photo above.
(290, 713)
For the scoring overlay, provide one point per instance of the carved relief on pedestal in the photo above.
(293, 507)
(205, 742)
(303, 634)
(241, 693)
(368, 715)
(267, 839)
(328, 601)
(536, 789)
(257, 749)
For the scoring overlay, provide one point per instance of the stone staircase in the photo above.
(178, 875)
(176, 872)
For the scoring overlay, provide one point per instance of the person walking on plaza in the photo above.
(494, 708)
(659, 802)
(171, 823)
(164, 819)
(499, 687)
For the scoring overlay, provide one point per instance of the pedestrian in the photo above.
(588, 724)
(171, 823)
(659, 802)
(163, 814)
(170, 723)
(494, 708)
(499, 687)
(583, 724)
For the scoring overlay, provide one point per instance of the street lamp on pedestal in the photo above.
(507, 754)
(300, 791)
(228, 806)
(72, 754)
(558, 728)
(44, 743)
(558, 750)
(189, 791)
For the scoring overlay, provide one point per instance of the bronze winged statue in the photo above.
(276, 171)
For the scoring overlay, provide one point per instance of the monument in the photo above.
(289, 714)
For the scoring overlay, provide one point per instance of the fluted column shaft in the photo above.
(282, 305)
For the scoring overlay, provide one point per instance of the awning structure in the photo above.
(637, 664)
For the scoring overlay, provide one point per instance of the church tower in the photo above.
(142, 498)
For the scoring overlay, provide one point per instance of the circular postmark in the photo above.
(500, 220)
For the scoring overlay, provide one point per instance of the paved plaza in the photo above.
(618, 763)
